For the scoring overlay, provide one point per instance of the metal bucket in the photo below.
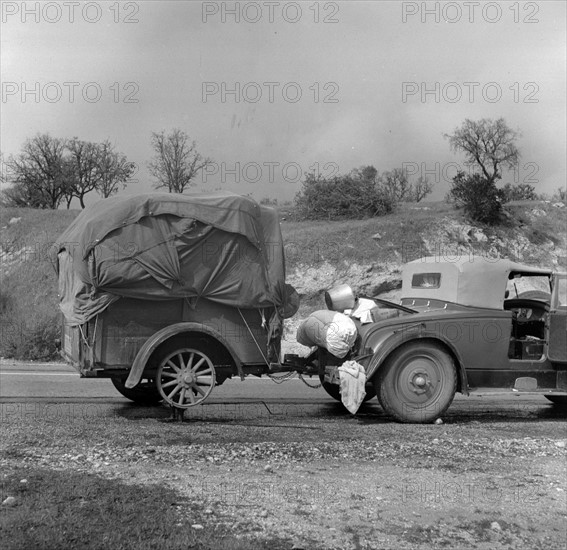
(339, 298)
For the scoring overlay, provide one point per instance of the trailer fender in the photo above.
(166, 333)
(396, 340)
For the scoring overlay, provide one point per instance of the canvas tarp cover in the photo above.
(222, 247)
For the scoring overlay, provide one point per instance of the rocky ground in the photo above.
(482, 479)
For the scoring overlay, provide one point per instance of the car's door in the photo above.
(557, 331)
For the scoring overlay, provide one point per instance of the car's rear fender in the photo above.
(385, 341)
(165, 334)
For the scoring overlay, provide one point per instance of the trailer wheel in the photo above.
(417, 382)
(559, 400)
(334, 391)
(145, 393)
(185, 377)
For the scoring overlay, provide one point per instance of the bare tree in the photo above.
(421, 188)
(488, 144)
(83, 165)
(37, 174)
(114, 169)
(396, 184)
(176, 161)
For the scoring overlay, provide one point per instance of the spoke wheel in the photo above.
(185, 378)
(417, 383)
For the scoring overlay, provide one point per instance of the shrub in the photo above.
(267, 201)
(341, 197)
(480, 198)
(560, 194)
(520, 192)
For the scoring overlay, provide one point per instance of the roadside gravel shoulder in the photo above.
(324, 482)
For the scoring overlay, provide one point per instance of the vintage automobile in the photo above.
(170, 295)
(464, 325)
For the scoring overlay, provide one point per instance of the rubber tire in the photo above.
(334, 391)
(144, 393)
(397, 402)
(558, 400)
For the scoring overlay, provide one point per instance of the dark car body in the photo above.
(466, 325)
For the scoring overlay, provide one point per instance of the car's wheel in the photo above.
(334, 391)
(185, 377)
(560, 400)
(417, 382)
(145, 393)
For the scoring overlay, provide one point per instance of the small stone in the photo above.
(197, 526)
(268, 468)
(23, 480)
(264, 513)
(438, 421)
(9, 501)
(376, 236)
(560, 444)
(14, 220)
(435, 442)
(208, 511)
(495, 526)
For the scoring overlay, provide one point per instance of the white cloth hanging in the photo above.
(353, 381)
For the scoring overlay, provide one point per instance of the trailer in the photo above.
(170, 295)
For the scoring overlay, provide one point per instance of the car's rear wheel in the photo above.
(334, 390)
(185, 377)
(417, 382)
(559, 400)
(145, 393)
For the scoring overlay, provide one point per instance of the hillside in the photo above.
(367, 254)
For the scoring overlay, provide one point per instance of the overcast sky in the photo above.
(281, 88)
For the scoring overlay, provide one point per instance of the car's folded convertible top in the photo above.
(222, 247)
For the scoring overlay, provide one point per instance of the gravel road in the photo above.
(488, 477)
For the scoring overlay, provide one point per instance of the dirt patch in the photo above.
(330, 480)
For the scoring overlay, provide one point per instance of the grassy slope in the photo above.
(28, 296)
(350, 241)
(28, 293)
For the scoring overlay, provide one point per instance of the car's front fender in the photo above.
(385, 340)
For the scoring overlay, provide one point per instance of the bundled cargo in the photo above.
(330, 330)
